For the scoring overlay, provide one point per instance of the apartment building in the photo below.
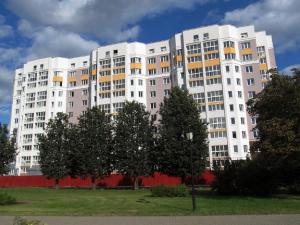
(221, 67)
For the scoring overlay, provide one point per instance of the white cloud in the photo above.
(51, 42)
(106, 20)
(5, 30)
(288, 69)
(280, 18)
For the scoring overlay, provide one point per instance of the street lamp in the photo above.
(189, 136)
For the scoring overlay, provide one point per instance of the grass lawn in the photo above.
(81, 202)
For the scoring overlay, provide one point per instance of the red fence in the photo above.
(112, 181)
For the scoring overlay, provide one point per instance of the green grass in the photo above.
(80, 202)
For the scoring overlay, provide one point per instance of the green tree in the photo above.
(278, 111)
(134, 141)
(95, 145)
(179, 116)
(7, 150)
(53, 146)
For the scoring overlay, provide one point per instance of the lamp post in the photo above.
(190, 138)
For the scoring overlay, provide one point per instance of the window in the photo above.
(228, 81)
(84, 82)
(71, 104)
(249, 69)
(215, 96)
(230, 94)
(219, 150)
(135, 60)
(71, 114)
(164, 58)
(152, 71)
(238, 81)
(233, 134)
(216, 107)
(165, 70)
(71, 94)
(217, 122)
(210, 46)
(153, 105)
(163, 49)
(140, 94)
(213, 81)
(241, 107)
(253, 120)
(228, 44)
(152, 83)
(245, 148)
(212, 70)
(218, 134)
(199, 97)
(262, 60)
(250, 81)
(135, 71)
(251, 94)
(151, 60)
(84, 102)
(151, 50)
(132, 94)
(166, 81)
(237, 69)
(166, 92)
(59, 104)
(227, 69)
(245, 45)
(115, 52)
(131, 82)
(244, 35)
(196, 83)
(232, 120)
(140, 82)
(211, 56)
(244, 135)
(193, 49)
(205, 36)
(230, 56)
(240, 94)
(152, 94)
(231, 107)
(242, 120)
(196, 37)
(247, 57)
(119, 61)
(235, 148)
(84, 92)
(197, 58)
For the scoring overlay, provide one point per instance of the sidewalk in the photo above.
(159, 220)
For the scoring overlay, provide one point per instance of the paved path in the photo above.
(159, 220)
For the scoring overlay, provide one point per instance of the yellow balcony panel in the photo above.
(216, 129)
(212, 62)
(119, 76)
(263, 66)
(84, 77)
(211, 52)
(135, 66)
(195, 65)
(104, 78)
(212, 77)
(57, 78)
(178, 58)
(229, 50)
(94, 72)
(72, 79)
(246, 51)
(105, 69)
(102, 92)
(164, 64)
(215, 103)
(196, 78)
(151, 66)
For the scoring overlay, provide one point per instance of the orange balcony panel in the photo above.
(135, 66)
(105, 69)
(72, 79)
(178, 58)
(84, 77)
(118, 67)
(119, 77)
(151, 66)
(195, 65)
(212, 77)
(212, 62)
(246, 51)
(164, 64)
(104, 78)
(229, 50)
(198, 78)
(263, 66)
(195, 54)
(94, 72)
(57, 78)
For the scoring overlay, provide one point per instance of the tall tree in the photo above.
(95, 145)
(53, 146)
(179, 116)
(133, 141)
(7, 150)
(277, 109)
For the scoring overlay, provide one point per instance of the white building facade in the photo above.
(221, 67)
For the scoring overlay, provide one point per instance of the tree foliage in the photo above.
(53, 146)
(179, 116)
(7, 150)
(133, 141)
(95, 155)
(278, 111)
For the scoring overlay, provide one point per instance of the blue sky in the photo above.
(32, 29)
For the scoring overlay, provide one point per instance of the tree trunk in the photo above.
(94, 186)
(136, 183)
(56, 184)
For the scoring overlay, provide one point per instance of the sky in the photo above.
(31, 29)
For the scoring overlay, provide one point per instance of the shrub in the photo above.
(6, 199)
(169, 191)
(20, 221)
